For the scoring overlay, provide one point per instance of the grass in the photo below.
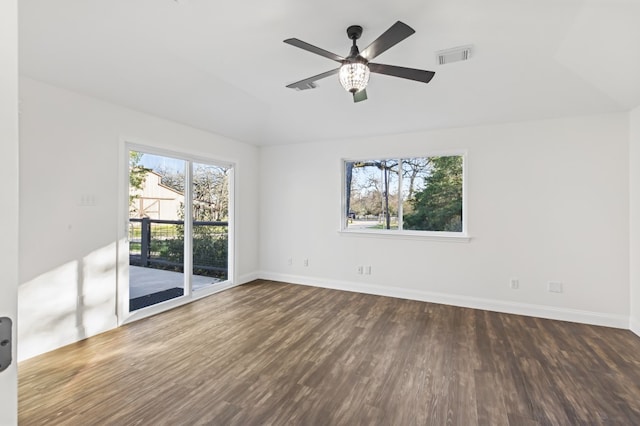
(135, 231)
(382, 226)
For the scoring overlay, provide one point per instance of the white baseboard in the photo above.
(247, 278)
(634, 325)
(540, 311)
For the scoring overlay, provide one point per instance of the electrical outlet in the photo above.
(290, 261)
(360, 270)
(555, 287)
(306, 262)
(367, 270)
(515, 283)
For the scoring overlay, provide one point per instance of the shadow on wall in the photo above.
(69, 303)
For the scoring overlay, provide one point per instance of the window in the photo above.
(415, 195)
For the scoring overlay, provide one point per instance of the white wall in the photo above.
(9, 209)
(70, 147)
(634, 199)
(547, 201)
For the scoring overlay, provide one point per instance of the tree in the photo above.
(366, 197)
(210, 204)
(210, 193)
(387, 168)
(412, 169)
(210, 190)
(172, 178)
(438, 206)
(137, 176)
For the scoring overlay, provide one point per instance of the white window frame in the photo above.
(462, 236)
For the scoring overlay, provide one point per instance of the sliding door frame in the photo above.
(122, 290)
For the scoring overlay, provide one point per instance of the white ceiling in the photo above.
(222, 66)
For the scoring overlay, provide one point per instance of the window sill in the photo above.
(453, 237)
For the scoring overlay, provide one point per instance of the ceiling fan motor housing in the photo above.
(354, 32)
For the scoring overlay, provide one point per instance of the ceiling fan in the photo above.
(355, 69)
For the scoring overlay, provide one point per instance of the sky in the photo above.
(158, 162)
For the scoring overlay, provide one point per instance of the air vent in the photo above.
(455, 54)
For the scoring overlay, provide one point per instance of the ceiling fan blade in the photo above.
(313, 49)
(360, 95)
(307, 83)
(394, 35)
(402, 72)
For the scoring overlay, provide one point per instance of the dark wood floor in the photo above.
(273, 353)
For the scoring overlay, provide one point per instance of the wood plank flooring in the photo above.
(269, 353)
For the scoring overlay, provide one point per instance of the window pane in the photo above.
(372, 194)
(432, 193)
(156, 229)
(210, 224)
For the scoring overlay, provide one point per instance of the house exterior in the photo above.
(155, 200)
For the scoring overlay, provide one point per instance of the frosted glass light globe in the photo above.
(354, 76)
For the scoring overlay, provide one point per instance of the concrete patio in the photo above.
(144, 281)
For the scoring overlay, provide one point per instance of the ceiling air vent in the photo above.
(455, 54)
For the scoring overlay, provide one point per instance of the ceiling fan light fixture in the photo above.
(354, 70)
(354, 76)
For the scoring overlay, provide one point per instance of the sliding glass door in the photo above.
(210, 214)
(170, 257)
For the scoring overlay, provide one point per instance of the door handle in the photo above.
(5, 343)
